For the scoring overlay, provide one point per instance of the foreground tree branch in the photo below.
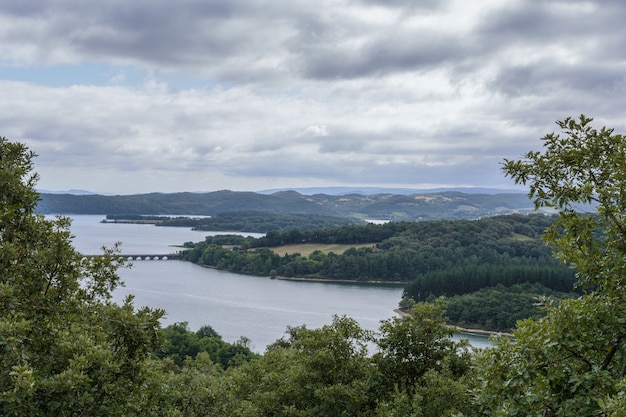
(570, 363)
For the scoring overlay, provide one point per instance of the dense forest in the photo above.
(415, 368)
(438, 258)
(505, 249)
(242, 221)
(498, 308)
(180, 343)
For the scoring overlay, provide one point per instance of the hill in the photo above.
(388, 190)
(384, 206)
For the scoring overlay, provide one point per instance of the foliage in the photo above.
(320, 372)
(561, 364)
(499, 308)
(330, 372)
(443, 258)
(198, 388)
(413, 345)
(424, 372)
(263, 222)
(504, 249)
(471, 278)
(241, 221)
(181, 344)
(65, 349)
(572, 362)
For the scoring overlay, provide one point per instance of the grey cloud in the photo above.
(386, 54)
(521, 24)
(524, 23)
(236, 40)
(474, 170)
(546, 34)
(242, 40)
(325, 49)
(353, 155)
(519, 80)
(192, 35)
(410, 4)
(570, 24)
(342, 143)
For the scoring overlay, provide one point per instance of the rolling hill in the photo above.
(383, 206)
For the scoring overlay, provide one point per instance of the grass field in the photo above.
(306, 249)
(518, 236)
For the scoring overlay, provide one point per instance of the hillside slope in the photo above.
(427, 206)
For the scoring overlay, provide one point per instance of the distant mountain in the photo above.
(396, 207)
(386, 190)
(74, 192)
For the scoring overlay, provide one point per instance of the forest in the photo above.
(263, 222)
(66, 349)
(432, 258)
(400, 251)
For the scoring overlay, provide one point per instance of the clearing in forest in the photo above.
(305, 249)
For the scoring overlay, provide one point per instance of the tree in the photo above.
(572, 362)
(182, 344)
(412, 345)
(312, 372)
(426, 367)
(65, 347)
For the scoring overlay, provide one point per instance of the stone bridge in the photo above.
(145, 257)
(151, 257)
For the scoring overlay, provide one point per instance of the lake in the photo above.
(259, 308)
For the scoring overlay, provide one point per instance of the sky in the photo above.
(129, 97)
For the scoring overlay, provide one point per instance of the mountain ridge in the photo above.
(341, 190)
(394, 207)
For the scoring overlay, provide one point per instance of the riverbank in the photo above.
(341, 281)
(308, 279)
(127, 221)
(481, 332)
(477, 332)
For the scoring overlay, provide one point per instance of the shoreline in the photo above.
(340, 281)
(477, 332)
(305, 279)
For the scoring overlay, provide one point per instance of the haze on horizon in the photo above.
(194, 95)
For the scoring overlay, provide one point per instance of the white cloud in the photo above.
(315, 131)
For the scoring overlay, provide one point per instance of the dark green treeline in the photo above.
(434, 258)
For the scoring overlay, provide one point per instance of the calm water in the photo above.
(258, 308)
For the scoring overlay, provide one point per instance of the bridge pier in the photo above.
(144, 257)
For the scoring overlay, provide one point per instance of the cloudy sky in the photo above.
(119, 96)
